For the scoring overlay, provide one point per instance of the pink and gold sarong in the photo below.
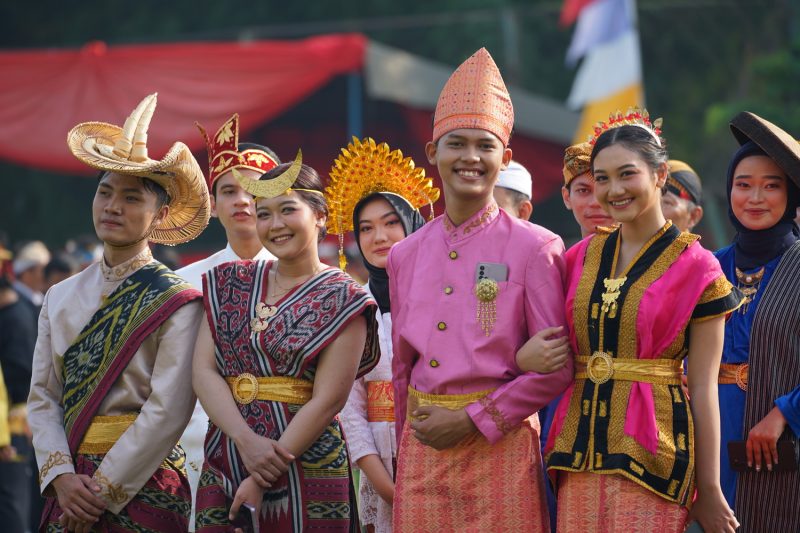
(474, 486)
(608, 503)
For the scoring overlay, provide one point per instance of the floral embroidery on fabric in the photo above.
(125, 269)
(112, 491)
(500, 421)
(478, 220)
(53, 460)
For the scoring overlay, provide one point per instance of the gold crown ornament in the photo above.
(634, 117)
(281, 184)
(364, 168)
(123, 150)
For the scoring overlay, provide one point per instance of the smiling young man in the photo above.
(236, 210)
(578, 190)
(111, 392)
(467, 290)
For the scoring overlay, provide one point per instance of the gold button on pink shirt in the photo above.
(438, 341)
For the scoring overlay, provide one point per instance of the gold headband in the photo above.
(277, 186)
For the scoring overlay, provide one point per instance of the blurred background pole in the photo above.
(355, 102)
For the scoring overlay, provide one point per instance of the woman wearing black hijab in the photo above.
(381, 193)
(759, 383)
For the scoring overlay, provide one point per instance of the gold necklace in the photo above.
(613, 285)
(748, 284)
(317, 270)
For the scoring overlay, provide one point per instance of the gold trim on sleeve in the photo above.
(113, 492)
(53, 460)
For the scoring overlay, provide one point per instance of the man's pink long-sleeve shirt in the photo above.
(439, 345)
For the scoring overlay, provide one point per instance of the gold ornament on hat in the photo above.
(282, 184)
(486, 290)
(364, 168)
(123, 150)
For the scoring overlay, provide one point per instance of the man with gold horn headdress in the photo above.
(111, 391)
(235, 209)
(467, 290)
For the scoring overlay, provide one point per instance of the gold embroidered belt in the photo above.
(601, 367)
(449, 401)
(380, 401)
(734, 373)
(104, 432)
(247, 388)
(18, 420)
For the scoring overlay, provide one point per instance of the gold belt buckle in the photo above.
(600, 367)
(741, 376)
(241, 396)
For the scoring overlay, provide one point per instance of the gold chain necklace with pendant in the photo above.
(613, 285)
(748, 284)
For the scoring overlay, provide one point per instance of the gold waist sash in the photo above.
(449, 401)
(380, 401)
(18, 420)
(601, 367)
(734, 373)
(104, 432)
(247, 388)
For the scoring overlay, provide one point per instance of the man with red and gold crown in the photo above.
(469, 289)
(236, 210)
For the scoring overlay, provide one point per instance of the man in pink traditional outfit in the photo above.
(469, 289)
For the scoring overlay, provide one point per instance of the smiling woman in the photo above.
(759, 381)
(292, 335)
(638, 448)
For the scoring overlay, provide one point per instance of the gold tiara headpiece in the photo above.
(634, 117)
(364, 168)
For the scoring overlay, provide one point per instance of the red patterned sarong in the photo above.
(472, 487)
(162, 505)
(607, 503)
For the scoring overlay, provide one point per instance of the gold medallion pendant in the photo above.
(486, 290)
(613, 288)
(748, 284)
(263, 313)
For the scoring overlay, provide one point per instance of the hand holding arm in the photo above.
(544, 352)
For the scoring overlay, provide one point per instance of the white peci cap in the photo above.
(517, 178)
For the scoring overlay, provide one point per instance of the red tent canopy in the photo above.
(52, 91)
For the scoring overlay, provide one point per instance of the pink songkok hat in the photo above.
(475, 97)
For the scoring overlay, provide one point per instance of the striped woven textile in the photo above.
(770, 501)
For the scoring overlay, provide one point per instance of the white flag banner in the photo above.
(609, 68)
(600, 22)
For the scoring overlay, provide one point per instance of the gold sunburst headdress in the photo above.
(364, 168)
(634, 117)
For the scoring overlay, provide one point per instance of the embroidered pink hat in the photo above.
(475, 97)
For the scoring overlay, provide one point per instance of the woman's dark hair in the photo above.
(162, 197)
(636, 139)
(307, 179)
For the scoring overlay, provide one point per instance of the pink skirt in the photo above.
(472, 487)
(607, 503)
